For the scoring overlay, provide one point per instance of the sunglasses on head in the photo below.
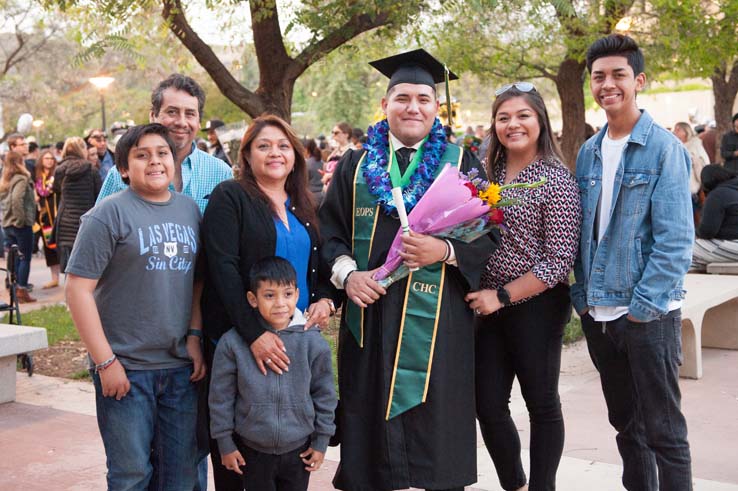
(521, 86)
(97, 137)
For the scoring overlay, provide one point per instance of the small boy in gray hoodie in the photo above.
(277, 426)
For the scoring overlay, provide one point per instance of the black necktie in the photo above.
(403, 157)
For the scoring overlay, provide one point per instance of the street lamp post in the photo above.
(101, 83)
(37, 124)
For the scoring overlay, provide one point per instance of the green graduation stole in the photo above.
(423, 296)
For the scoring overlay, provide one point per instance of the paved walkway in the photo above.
(49, 438)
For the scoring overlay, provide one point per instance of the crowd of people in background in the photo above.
(322, 154)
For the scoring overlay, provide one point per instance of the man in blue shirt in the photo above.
(97, 138)
(636, 247)
(177, 103)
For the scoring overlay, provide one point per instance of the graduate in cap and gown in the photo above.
(406, 416)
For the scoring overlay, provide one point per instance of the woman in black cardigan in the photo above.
(268, 211)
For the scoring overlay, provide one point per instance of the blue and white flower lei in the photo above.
(376, 161)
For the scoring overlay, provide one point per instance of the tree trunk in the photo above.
(724, 89)
(571, 93)
(277, 98)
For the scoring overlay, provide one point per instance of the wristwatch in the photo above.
(194, 332)
(503, 296)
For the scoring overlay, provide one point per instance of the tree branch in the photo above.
(11, 59)
(173, 14)
(16, 58)
(544, 71)
(354, 26)
(271, 54)
(515, 66)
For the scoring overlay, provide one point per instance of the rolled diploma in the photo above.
(400, 206)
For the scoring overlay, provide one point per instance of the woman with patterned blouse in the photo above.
(523, 303)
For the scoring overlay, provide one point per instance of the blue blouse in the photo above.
(294, 245)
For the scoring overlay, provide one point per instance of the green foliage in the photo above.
(537, 35)
(331, 335)
(573, 330)
(218, 106)
(97, 49)
(56, 320)
(83, 374)
(693, 36)
(341, 87)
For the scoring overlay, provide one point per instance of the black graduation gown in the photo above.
(433, 445)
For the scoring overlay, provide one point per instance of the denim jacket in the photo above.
(647, 247)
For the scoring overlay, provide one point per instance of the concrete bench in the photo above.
(709, 318)
(722, 268)
(15, 340)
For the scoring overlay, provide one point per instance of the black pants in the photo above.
(524, 341)
(639, 371)
(224, 479)
(267, 472)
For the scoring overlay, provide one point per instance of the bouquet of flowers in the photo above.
(455, 206)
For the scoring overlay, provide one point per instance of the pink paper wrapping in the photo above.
(447, 202)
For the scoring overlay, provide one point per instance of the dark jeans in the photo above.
(149, 435)
(524, 341)
(639, 371)
(23, 237)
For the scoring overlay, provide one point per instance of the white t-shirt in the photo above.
(612, 151)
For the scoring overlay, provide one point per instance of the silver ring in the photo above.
(312, 464)
(477, 312)
(268, 360)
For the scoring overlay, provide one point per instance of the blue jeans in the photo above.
(639, 371)
(149, 435)
(23, 237)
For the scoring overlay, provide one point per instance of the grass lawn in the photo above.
(56, 320)
(573, 330)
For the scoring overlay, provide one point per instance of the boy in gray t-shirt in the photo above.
(130, 293)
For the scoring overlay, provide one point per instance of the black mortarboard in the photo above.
(413, 67)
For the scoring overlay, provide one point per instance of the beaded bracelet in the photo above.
(102, 366)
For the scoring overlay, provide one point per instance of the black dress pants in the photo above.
(268, 472)
(523, 341)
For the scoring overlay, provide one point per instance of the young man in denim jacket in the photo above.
(635, 249)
